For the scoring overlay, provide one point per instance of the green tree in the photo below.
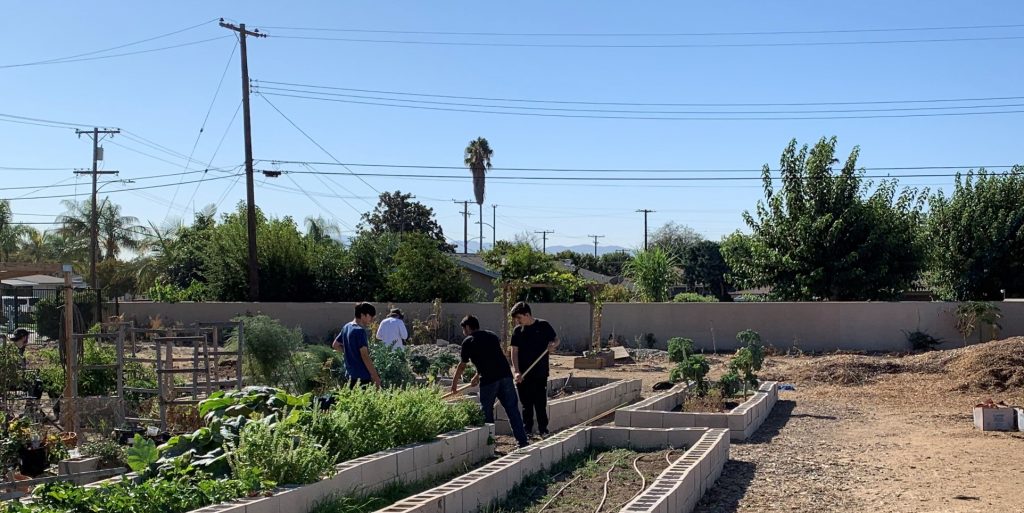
(653, 272)
(372, 257)
(10, 233)
(675, 239)
(478, 159)
(976, 237)
(397, 213)
(319, 229)
(117, 231)
(705, 270)
(34, 246)
(736, 250)
(423, 273)
(580, 260)
(611, 264)
(821, 236)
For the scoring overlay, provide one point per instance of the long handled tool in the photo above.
(534, 364)
(457, 391)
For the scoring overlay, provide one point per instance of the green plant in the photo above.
(679, 349)
(110, 453)
(468, 374)
(280, 456)
(693, 297)
(921, 340)
(142, 454)
(653, 271)
(270, 350)
(730, 383)
(49, 313)
(694, 369)
(748, 359)
(442, 365)
(392, 364)
(972, 315)
(11, 376)
(419, 363)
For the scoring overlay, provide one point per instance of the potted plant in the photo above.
(33, 455)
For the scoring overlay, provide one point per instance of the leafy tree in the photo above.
(580, 260)
(396, 213)
(704, 269)
(748, 359)
(611, 264)
(422, 273)
(117, 231)
(319, 229)
(653, 272)
(116, 278)
(478, 159)
(822, 236)
(976, 237)
(372, 257)
(10, 233)
(518, 261)
(675, 239)
(34, 246)
(737, 252)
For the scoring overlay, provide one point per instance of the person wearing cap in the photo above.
(392, 330)
(20, 340)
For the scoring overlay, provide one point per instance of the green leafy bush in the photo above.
(419, 363)
(364, 421)
(96, 381)
(110, 453)
(280, 456)
(11, 377)
(50, 311)
(679, 349)
(442, 365)
(392, 365)
(748, 359)
(730, 384)
(270, 350)
(693, 297)
(694, 369)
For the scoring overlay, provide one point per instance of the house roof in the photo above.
(36, 280)
(474, 263)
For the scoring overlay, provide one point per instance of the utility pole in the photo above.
(254, 272)
(494, 224)
(465, 225)
(94, 221)
(595, 237)
(645, 212)
(481, 207)
(544, 237)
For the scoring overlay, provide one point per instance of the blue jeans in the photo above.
(504, 390)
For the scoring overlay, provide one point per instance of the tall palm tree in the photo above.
(10, 233)
(34, 246)
(478, 160)
(116, 231)
(319, 229)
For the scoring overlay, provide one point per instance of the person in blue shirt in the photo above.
(353, 341)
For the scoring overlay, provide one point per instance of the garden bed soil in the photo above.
(586, 492)
(727, 406)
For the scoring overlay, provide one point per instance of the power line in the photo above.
(101, 183)
(125, 54)
(534, 100)
(120, 190)
(214, 156)
(206, 118)
(303, 132)
(647, 34)
(652, 45)
(118, 47)
(614, 170)
(644, 118)
(620, 178)
(9, 168)
(66, 124)
(625, 111)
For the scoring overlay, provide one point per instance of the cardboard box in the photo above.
(997, 418)
(587, 363)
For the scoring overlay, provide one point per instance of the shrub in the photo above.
(110, 453)
(748, 359)
(693, 297)
(679, 349)
(95, 381)
(392, 365)
(269, 350)
(420, 364)
(11, 377)
(279, 456)
(730, 384)
(695, 368)
(921, 340)
(49, 312)
(442, 365)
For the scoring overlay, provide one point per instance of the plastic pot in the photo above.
(33, 461)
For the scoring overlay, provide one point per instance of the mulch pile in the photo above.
(993, 366)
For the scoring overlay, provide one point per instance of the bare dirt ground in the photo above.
(872, 434)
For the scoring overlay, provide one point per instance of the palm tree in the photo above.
(116, 231)
(478, 160)
(653, 271)
(10, 233)
(34, 247)
(319, 229)
(155, 247)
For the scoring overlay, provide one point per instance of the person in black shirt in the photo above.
(532, 341)
(483, 348)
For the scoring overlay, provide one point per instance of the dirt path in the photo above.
(896, 442)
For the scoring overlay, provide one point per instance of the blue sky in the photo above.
(163, 97)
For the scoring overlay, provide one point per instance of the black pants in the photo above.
(359, 382)
(533, 392)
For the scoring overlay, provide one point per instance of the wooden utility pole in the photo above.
(254, 272)
(645, 212)
(68, 410)
(544, 238)
(595, 237)
(465, 225)
(94, 230)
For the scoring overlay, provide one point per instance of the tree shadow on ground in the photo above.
(771, 426)
(731, 487)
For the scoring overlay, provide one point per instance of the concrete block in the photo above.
(380, 468)
(684, 437)
(748, 418)
(609, 437)
(647, 419)
(551, 454)
(711, 420)
(736, 421)
(263, 505)
(649, 438)
(677, 419)
(623, 417)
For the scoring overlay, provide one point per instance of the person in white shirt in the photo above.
(392, 330)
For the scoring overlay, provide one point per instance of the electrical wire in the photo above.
(125, 54)
(653, 45)
(119, 190)
(646, 34)
(62, 124)
(303, 132)
(212, 157)
(118, 47)
(625, 111)
(206, 118)
(719, 116)
(644, 104)
(318, 204)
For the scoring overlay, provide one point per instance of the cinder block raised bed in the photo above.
(406, 464)
(742, 421)
(594, 396)
(677, 489)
